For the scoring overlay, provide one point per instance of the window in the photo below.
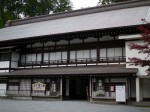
(4, 57)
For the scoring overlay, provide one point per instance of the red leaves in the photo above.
(145, 49)
(138, 47)
(137, 61)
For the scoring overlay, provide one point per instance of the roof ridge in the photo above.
(84, 11)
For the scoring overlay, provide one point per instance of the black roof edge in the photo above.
(102, 8)
(70, 33)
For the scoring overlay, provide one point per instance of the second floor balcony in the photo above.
(75, 62)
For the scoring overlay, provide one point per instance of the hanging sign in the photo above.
(38, 86)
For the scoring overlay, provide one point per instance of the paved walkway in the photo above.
(64, 106)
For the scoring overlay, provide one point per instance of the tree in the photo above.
(102, 2)
(9, 9)
(14, 9)
(145, 48)
(62, 5)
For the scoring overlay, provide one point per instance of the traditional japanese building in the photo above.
(75, 54)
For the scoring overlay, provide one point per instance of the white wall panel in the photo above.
(52, 56)
(103, 52)
(93, 53)
(34, 57)
(58, 55)
(86, 54)
(110, 52)
(2, 71)
(29, 57)
(72, 54)
(39, 57)
(4, 64)
(80, 54)
(118, 51)
(14, 64)
(64, 55)
(2, 89)
(46, 55)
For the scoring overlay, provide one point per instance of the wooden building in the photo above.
(80, 54)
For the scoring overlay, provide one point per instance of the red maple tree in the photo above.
(145, 48)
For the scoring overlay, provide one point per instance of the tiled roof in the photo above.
(98, 18)
(89, 70)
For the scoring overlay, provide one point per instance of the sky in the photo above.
(78, 4)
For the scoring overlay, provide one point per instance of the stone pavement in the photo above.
(64, 106)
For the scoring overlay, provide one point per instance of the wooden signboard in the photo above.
(38, 86)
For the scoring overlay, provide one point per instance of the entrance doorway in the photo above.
(75, 88)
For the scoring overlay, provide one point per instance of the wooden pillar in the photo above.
(42, 57)
(98, 52)
(68, 52)
(10, 60)
(25, 57)
(31, 87)
(7, 86)
(61, 87)
(90, 88)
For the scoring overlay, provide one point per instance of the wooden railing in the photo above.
(86, 61)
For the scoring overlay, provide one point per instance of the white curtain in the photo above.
(93, 53)
(103, 53)
(80, 54)
(72, 55)
(64, 55)
(86, 54)
(118, 51)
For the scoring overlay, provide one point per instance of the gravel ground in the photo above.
(64, 106)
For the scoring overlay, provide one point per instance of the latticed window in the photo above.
(106, 87)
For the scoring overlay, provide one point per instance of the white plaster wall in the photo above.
(86, 54)
(72, 54)
(93, 53)
(64, 55)
(134, 53)
(4, 64)
(46, 55)
(103, 52)
(2, 89)
(118, 51)
(110, 52)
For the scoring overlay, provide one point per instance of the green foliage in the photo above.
(110, 1)
(13, 9)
